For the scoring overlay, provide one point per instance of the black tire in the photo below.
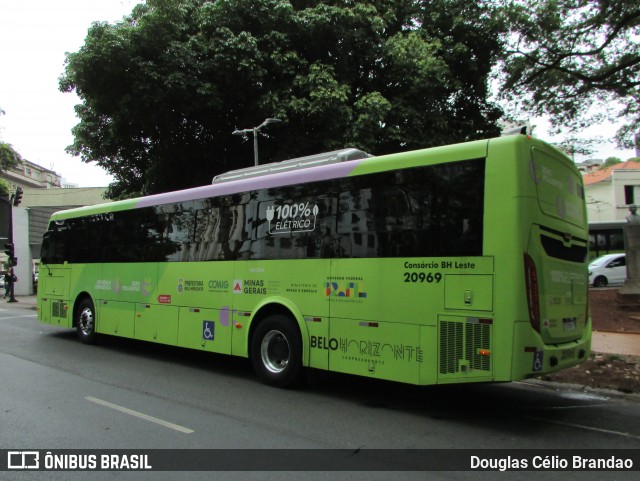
(85, 319)
(276, 351)
(600, 281)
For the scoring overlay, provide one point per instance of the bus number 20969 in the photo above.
(422, 277)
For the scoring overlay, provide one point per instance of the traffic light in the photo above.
(17, 197)
(9, 250)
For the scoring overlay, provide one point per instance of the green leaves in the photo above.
(567, 58)
(9, 157)
(162, 91)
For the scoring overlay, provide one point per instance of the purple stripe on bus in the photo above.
(311, 174)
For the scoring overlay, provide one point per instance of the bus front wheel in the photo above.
(85, 318)
(276, 351)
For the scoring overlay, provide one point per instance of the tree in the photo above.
(163, 89)
(609, 161)
(577, 61)
(574, 144)
(4, 187)
(8, 155)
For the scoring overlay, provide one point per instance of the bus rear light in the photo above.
(533, 293)
(484, 352)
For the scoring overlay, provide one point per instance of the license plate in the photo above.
(569, 324)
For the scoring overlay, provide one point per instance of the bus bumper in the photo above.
(533, 358)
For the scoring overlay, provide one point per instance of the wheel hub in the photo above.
(86, 321)
(275, 351)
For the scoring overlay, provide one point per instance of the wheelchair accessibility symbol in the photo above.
(537, 360)
(208, 330)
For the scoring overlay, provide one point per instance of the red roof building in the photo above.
(610, 191)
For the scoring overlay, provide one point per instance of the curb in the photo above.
(555, 385)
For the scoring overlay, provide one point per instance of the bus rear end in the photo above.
(555, 268)
(552, 329)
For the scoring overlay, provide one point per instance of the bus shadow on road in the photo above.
(213, 363)
(511, 408)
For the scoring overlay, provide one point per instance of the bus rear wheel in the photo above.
(85, 318)
(276, 351)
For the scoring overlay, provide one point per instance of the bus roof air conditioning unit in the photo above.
(298, 163)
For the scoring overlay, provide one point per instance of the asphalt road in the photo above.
(57, 393)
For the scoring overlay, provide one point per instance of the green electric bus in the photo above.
(451, 264)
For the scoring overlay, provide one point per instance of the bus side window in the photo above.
(207, 232)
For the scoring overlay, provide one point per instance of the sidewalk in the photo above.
(627, 344)
(28, 302)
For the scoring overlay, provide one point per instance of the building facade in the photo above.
(611, 191)
(43, 194)
(29, 175)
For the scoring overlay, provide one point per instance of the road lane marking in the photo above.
(587, 428)
(137, 414)
(18, 317)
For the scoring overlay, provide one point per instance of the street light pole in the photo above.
(255, 146)
(254, 131)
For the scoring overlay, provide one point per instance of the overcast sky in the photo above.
(34, 36)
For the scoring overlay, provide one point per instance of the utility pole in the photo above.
(11, 202)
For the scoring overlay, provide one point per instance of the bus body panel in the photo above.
(532, 358)
(202, 291)
(156, 323)
(53, 293)
(205, 329)
(558, 245)
(535, 194)
(384, 350)
(435, 155)
(421, 319)
(116, 318)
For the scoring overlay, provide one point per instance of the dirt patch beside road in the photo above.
(603, 371)
(606, 371)
(608, 315)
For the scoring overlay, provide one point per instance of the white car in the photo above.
(607, 270)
